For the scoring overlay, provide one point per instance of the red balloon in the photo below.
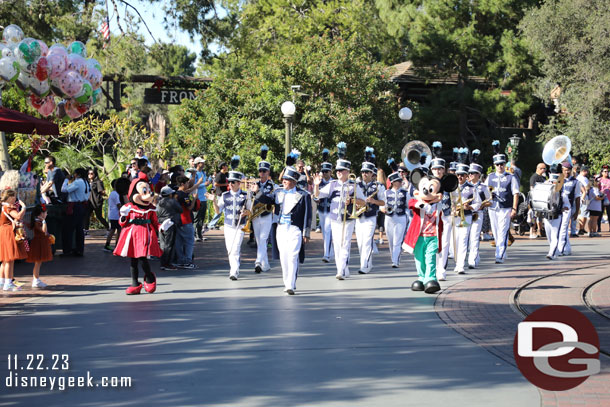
(42, 69)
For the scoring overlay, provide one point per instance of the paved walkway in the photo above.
(204, 340)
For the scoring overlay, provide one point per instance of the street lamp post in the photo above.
(514, 140)
(288, 109)
(405, 114)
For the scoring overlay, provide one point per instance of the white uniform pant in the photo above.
(326, 234)
(289, 240)
(395, 230)
(564, 233)
(446, 239)
(500, 226)
(233, 238)
(342, 249)
(262, 228)
(461, 241)
(551, 228)
(474, 240)
(365, 233)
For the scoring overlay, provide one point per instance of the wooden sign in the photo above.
(167, 96)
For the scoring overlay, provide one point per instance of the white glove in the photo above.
(124, 211)
(428, 208)
(167, 223)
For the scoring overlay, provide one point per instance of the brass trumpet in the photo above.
(257, 210)
(459, 209)
(363, 208)
(351, 177)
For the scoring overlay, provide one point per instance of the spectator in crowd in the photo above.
(538, 177)
(583, 218)
(201, 183)
(168, 208)
(96, 200)
(54, 180)
(604, 187)
(220, 186)
(73, 225)
(132, 169)
(140, 155)
(594, 199)
(185, 238)
(114, 204)
(305, 179)
(513, 169)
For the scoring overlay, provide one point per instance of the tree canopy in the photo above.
(571, 38)
(343, 96)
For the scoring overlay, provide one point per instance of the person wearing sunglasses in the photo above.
(505, 200)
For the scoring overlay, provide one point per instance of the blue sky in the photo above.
(154, 18)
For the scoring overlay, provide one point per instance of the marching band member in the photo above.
(367, 222)
(262, 223)
(552, 221)
(324, 208)
(341, 193)
(570, 194)
(503, 208)
(477, 216)
(395, 209)
(470, 201)
(293, 206)
(437, 167)
(233, 203)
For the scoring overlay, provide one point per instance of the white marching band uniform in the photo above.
(232, 203)
(339, 192)
(396, 201)
(446, 238)
(505, 186)
(324, 214)
(294, 210)
(477, 225)
(262, 224)
(468, 192)
(366, 224)
(570, 194)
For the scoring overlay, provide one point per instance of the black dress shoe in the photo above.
(233, 278)
(325, 260)
(394, 266)
(432, 287)
(417, 286)
(290, 292)
(361, 272)
(258, 269)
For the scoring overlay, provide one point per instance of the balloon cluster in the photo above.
(41, 73)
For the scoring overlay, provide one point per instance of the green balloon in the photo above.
(78, 47)
(85, 94)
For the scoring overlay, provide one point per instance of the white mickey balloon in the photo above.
(12, 34)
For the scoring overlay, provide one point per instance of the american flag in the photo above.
(105, 30)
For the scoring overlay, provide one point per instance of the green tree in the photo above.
(467, 40)
(571, 38)
(343, 97)
(172, 59)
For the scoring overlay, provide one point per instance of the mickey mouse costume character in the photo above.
(427, 226)
(138, 239)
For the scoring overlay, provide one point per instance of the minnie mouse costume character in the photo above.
(138, 238)
(427, 226)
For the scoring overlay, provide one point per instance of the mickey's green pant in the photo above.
(425, 258)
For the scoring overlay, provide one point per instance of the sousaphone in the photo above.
(557, 150)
